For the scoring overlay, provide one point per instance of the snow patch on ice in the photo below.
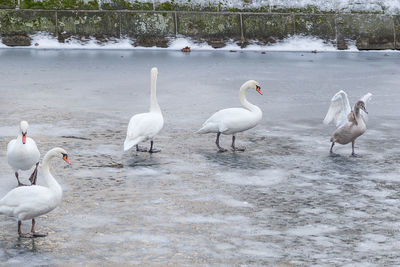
(311, 230)
(261, 178)
(129, 237)
(199, 219)
(142, 171)
(225, 199)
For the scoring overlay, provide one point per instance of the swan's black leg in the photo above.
(331, 151)
(140, 149)
(153, 150)
(33, 177)
(217, 143)
(352, 148)
(19, 183)
(26, 235)
(36, 234)
(234, 148)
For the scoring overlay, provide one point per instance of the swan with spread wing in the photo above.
(350, 123)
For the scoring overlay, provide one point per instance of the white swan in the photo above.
(145, 126)
(22, 153)
(29, 202)
(350, 123)
(234, 120)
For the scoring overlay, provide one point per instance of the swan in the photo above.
(145, 126)
(350, 123)
(234, 120)
(22, 153)
(29, 202)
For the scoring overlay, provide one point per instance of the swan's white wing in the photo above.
(366, 98)
(26, 199)
(10, 145)
(34, 153)
(142, 126)
(214, 124)
(230, 120)
(338, 110)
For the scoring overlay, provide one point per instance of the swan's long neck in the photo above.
(48, 177)
(154, 107)
(357, 114)
(357, 111)
(243, 99)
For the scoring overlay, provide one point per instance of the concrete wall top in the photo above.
(263, 6)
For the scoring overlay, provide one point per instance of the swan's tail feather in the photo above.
(6, 210)
(203, 130)
(200, 131)
(212, 127)
(129, 143)
(128, 146)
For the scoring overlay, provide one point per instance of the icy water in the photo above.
(284, 201)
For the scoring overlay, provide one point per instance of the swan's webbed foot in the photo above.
(25, 235)
(222, 150)
(34, 233)
(153, 150)
(140, 149)
(235, 148)
(38, 234)
(354, 155)
(33, 176)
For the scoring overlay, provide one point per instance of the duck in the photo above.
(350, 123)
(231, 121)
(145, 126)
(23, 153)
(29, 202)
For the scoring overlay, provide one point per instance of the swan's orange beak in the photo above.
(24, 138)
(65, 158)
(258, 88)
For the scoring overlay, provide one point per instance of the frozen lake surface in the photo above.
(284, 201)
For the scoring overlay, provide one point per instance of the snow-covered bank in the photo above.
(128, 29)
(293, 43)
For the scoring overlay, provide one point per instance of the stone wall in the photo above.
(157, 27)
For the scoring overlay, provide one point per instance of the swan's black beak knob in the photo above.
(258, 88)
